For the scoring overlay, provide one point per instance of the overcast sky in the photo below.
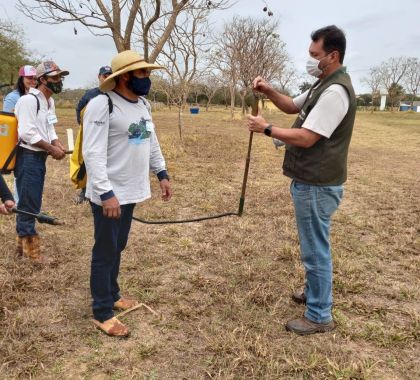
(376, 30)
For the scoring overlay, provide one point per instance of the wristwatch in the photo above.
(267, 130)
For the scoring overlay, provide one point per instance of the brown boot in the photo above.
(304, 326)
(19, 246)
(32, 250)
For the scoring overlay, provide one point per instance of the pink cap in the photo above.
(27, 71)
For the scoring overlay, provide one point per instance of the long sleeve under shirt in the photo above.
(34, 126)
(5, 194)
(119, 149)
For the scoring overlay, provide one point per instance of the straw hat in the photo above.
(124, 62)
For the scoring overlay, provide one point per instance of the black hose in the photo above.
(185, 220)
(241, 200)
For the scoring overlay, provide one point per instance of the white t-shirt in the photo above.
(328, 112)
(119, 149)
(32, 126)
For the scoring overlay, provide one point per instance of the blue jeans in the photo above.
(30, 174)
(111, 237)
(314, 207)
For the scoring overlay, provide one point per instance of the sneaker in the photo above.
(304, 326)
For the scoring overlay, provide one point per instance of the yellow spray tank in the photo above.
(8, 139)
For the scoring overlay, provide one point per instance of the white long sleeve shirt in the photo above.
(119, 149)
(32, 126)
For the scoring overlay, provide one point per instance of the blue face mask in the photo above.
(140, 86)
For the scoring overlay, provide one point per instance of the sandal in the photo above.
(112, 327)
(125, 303)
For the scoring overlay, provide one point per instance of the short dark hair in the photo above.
(333, 38)
(20, 86)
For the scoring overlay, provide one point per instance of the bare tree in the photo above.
(392, 73)
(118, 19)
(287, 78)
(211, 84)
(374, 80)
(251, 48)
(412, 78)
(181, 56)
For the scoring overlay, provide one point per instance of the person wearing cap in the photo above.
(26, 80)
(104, 72)
(36, 117)
(119, 149)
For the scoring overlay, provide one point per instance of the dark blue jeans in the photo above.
(111, 237)
(30, 174)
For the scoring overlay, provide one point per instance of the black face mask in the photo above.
(56, 88)
(140, 86)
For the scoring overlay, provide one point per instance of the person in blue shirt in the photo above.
(26, 80)
(104, 72)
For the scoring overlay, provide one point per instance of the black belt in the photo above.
(41, 153)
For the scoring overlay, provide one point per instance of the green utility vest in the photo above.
(324, 163)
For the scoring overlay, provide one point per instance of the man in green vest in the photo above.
(316, 161)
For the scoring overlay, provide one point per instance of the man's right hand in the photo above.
(261, 85)
(6, 207)
(111, 208)
(56, 152)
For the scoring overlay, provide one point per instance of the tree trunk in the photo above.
(180, 123)
(232, 101)
(243, 103)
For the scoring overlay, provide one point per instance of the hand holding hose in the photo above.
(257, 123)
(57, 150)
(6, 207)
(261, 85)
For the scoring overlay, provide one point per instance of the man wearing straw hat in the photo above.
(119, 148)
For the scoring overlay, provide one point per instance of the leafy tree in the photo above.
(396, 94)
(13, 53)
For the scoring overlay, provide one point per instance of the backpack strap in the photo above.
(110, 104)
(38, 105)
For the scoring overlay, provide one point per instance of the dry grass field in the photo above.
(221, 288)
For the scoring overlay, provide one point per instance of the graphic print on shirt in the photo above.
(139, 132)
